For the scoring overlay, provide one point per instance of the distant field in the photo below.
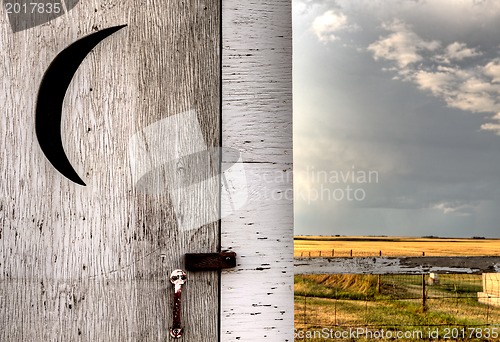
(393, 246)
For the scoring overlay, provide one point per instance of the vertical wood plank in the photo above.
(92, 263)
(257, 296)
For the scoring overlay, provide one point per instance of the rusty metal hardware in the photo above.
(178, 278)
(195, 262)
(209, 261)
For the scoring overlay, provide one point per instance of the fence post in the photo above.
(333, 252)
(351, 252)
(423, 293)
(319, 253)
(379, 277)
(305, 309)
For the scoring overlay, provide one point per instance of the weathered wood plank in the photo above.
(257, 296)
(395, 265)
(257, 79)
(92, 263)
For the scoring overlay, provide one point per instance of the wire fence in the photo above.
(360, 253)
(452, 307)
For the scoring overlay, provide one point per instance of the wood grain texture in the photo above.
(397, 265)
(257, 296)
(92, 263)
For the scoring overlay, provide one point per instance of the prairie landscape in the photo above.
(393, 246)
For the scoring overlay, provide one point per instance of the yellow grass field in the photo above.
(326, 246)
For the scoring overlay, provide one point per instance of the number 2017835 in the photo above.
(33, 8)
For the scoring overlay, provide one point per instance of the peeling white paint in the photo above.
(257, 296)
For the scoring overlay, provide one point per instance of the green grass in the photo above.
(344, 301)
(336, 286)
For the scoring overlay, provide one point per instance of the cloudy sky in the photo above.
(397, 117)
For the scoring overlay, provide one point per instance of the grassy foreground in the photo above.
(351, 302)
(331, 307)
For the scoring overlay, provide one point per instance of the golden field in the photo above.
(393, 246)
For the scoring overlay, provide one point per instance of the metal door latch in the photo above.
(209, 261)
(195, 262)
(178, 278)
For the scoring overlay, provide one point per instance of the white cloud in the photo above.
(462, 89)
(494, 127)
(473, 102)
(459, 209)
(475, 89)
(492, 69)
(329, 23)
(402, 46)
(474, 84)
(436, 82)
(456, 52)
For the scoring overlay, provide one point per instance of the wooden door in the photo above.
(91, 263)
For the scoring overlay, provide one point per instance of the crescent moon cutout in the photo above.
(50, 99)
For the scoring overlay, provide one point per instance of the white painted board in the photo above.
(257, 296)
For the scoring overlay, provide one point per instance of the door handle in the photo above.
(178, 278)
(195, 262)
